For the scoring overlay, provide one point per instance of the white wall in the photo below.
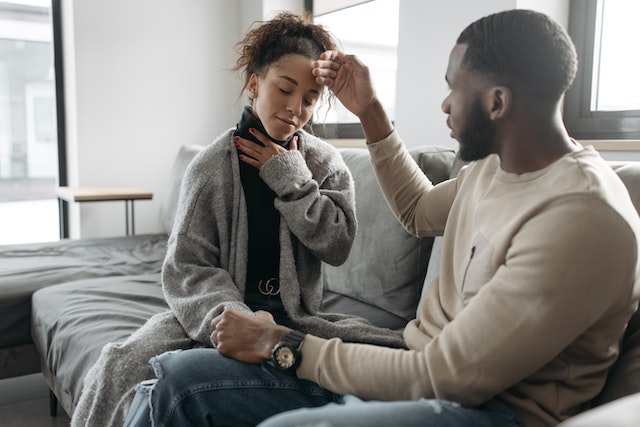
(143, 78)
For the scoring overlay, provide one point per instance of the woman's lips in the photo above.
(287, 122)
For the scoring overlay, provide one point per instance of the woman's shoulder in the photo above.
(212, 157)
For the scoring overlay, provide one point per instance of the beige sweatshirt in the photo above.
(538, 279)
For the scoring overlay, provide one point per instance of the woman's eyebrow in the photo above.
(295, 82)
(291, 79)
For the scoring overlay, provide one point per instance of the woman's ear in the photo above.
(498, 101)
(252, 87)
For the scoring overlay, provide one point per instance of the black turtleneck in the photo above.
(263, 218)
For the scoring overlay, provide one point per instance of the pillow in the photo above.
(624, 376)
(433, 270)
(170, 206)
(621, 413)
(629, 173)
(387, 265)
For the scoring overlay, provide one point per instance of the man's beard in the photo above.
(476, 138)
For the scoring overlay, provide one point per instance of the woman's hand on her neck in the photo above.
(256, 155)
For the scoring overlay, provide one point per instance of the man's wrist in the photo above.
(276, 335)
(375, 122)
(286, 354)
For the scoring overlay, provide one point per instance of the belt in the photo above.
(269, 287)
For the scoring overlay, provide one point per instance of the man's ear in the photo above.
(498, 102)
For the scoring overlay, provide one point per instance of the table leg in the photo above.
(62, 218)
(129, 216)
(126, 216)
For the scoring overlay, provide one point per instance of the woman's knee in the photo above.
(184, 363)
(203, 383)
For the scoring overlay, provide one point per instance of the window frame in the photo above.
(581, 121)
(348, 132)
(56, 20)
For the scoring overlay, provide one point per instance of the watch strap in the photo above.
(288, 344)
(293, 339)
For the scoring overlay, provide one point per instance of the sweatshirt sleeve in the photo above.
(421, 207)
(521, 320)
(316, 198)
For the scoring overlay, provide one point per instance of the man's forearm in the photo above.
(375, 122)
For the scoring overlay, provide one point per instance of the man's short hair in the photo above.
(521, 49)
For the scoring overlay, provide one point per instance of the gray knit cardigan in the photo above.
(205, 269)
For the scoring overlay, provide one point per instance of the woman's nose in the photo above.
(295, 106)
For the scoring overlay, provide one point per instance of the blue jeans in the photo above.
(200, 387)
(353, 412)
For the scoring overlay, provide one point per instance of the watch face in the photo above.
(284, 357)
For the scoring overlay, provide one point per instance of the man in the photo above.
(539, 274)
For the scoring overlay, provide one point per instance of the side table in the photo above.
(105, 194)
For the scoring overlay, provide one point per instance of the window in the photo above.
(375, 43)
(604, 101)
(28, 129)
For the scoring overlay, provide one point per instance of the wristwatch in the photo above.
(286, 354)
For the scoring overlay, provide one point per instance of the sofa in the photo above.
(77, 307)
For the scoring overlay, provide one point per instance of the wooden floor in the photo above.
(24, 402)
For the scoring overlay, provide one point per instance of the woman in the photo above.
(260, 209)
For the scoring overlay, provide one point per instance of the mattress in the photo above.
(73, 321)
(28, 267)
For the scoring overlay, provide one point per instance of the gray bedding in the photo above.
(85, 315)
(29, 267)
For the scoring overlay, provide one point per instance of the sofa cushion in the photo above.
(170, 205)
(629, 173)
(623, 412)
(624, 377)
(433, 269)
(387, 265)
(73, 321)
(25, 268)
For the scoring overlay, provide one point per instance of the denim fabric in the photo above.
(200, 387)
(353, 412)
